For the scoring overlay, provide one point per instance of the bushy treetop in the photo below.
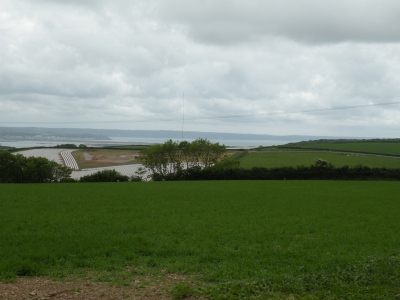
(20, 169)
(172, 157)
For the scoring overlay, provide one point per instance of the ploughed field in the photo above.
(233, 239)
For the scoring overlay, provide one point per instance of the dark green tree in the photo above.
(40, 169)
(163, 158)
(105, 176)
(11, 167)
(172, 157)
(20, 169)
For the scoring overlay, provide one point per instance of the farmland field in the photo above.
(269, 159)
(240, 239)
(384, 148)
(94, 158)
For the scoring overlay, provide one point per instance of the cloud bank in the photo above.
(263, 67)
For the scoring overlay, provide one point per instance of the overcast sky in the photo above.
(257, 66)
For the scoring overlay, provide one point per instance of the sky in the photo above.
(287, 67)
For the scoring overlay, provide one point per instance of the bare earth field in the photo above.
(103, 158)
(42, 288)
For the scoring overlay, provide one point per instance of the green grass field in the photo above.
(292, 158)
(127, 147)
(384, 148)
(242, 239)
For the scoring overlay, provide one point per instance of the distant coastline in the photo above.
(137, 141)
(20, 137)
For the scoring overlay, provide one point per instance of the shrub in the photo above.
(105, 176)
(327, 172)
(20, 169)
(135, 178)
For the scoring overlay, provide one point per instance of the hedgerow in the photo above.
(314, 172)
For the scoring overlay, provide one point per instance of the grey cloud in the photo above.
(308, 21)
(130, 61)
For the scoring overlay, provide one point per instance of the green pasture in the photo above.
(384, 148)
(240, 239)
(127, 147)
(269, 159)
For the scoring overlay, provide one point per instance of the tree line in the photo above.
(313, 172)
(20, 169)
(173, 157)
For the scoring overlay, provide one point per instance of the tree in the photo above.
(319, 162)
(172, 157)
(20, 169)
(40, 170)
(11, 167)
(105, 176)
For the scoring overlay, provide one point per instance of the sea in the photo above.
(120, 141)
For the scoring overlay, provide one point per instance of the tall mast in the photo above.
(183, 112)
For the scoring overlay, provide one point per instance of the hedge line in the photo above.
(328, 172)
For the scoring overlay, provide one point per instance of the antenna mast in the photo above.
(183, 112)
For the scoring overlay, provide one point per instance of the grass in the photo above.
(270, 159)
(243, 239)
(127, 147)
(384, 148)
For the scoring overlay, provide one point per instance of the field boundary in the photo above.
(341, 151)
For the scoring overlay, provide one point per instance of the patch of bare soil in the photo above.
(87, 156)
(41, 288)
(117, 159)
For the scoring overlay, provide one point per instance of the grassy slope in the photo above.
(250, 238)
(291, 158)
(384, 148)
